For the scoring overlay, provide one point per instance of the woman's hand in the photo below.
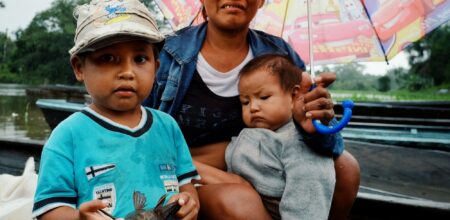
(314, 104)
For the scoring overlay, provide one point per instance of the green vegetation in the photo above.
(431, 94)
(38, 55)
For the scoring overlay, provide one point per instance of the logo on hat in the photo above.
(114, 8)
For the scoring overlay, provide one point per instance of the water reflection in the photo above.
(20, 117)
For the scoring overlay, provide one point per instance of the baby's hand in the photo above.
(189, 206)
(91, 210)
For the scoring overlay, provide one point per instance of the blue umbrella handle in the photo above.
(347, 105)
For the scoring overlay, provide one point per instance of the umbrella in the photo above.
(338, 31)
(342, 30)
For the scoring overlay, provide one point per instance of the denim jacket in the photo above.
(178, 60)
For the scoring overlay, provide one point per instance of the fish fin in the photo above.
(169, 211)
(139, 200)
(161, 201)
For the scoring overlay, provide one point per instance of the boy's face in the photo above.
(264, 103)
(118, 77)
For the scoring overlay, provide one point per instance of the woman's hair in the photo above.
(204, 15)
(280, 65)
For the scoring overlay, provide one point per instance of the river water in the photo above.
(20, 118)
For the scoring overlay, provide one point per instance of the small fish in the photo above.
(160, 212)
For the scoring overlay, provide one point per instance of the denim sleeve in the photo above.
(324, 143)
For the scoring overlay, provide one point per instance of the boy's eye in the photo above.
(140, 59)
(107, 58)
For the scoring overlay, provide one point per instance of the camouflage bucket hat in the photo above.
(105, 22)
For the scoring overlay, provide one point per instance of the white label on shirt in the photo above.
(106, 192)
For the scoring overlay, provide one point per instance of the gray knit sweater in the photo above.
(280, 165)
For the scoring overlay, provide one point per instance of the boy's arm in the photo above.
(62, 212)
(88, 211)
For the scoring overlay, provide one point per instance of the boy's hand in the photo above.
(314, 104)
(91, 210)
(189, 206)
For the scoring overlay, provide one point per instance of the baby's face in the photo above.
(264, 103)
(119, 77)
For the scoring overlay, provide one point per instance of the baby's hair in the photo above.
(280, 65)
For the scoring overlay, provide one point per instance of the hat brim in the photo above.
(114, 39)
(115, 33)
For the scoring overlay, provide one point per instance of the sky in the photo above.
(19, 13)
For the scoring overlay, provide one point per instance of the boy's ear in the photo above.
(77, 65)
(157, 63)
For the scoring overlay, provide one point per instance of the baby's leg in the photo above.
(230, 201)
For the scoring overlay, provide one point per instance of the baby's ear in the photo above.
(295, 92)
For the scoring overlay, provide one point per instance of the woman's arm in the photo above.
(212, 175)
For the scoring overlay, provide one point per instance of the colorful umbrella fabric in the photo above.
(342, 30)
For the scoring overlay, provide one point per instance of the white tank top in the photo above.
(222, 84)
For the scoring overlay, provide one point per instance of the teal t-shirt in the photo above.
(91, 157)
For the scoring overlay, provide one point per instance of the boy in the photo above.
(115, 152)
(293, 181)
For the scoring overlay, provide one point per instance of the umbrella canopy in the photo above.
(341, 30)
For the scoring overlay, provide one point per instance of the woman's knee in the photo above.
(347, 186)
(231, 201)
(347, 173)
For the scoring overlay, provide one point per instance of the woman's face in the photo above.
(231, 15)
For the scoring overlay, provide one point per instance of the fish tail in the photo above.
(139, 200)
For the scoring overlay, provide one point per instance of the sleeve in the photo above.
(309, 184)
(56, 184)
(325, 144)
(186, 170)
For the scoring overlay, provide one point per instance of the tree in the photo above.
(7, 48)
(429, 57)
(384, 84)
(351, 77)
(42, 47)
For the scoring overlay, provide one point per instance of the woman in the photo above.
(197, 84)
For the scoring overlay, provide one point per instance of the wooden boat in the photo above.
(56, 110)
(411, 124)
(396, 182)
(57, 91)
